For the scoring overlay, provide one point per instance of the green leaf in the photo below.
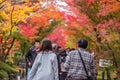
(3, 74)
(5, 67)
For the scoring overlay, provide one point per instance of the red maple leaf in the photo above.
(27, 30)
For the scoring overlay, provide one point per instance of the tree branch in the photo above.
(28, 18)
(2, 2)
(11, 21)
(5, 43)
(12, 43)
(2, 6)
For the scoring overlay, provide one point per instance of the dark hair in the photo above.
(36, 41)
(62, 53)
(46, 46)
(82, 43)
(72, 49)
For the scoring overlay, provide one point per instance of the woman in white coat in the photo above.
(45, 66)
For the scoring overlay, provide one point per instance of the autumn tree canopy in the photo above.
(64, 22)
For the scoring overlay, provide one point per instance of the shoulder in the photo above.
(31, 48)
(53, 54)
(72, 52)
(89, 54)
(39, 54)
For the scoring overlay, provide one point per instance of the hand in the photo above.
(60, 73)
(29, 64)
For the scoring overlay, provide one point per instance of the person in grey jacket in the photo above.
(45, 66)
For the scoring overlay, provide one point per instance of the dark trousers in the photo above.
(63, 76)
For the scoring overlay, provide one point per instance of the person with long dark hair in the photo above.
(45, 66)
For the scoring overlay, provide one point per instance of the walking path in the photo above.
(23, 79)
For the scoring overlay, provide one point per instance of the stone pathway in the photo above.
(23, 79)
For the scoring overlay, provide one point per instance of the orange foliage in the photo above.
(107, 6)
(42, 18)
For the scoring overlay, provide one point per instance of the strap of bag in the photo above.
(83, 63)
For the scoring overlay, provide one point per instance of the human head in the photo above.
(82, 43)
(37, 43)
(63, 52)
(72, 49)
(46, 45)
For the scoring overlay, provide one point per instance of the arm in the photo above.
(55, 68)
(27, 56)
(58, 60)
(34, 67)
(68, 61)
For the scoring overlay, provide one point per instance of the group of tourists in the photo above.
(49, 61)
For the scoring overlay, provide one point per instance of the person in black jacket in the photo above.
(63, 73)
(31, 55)
(56, 50)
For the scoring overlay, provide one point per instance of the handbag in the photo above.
(88, 76)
